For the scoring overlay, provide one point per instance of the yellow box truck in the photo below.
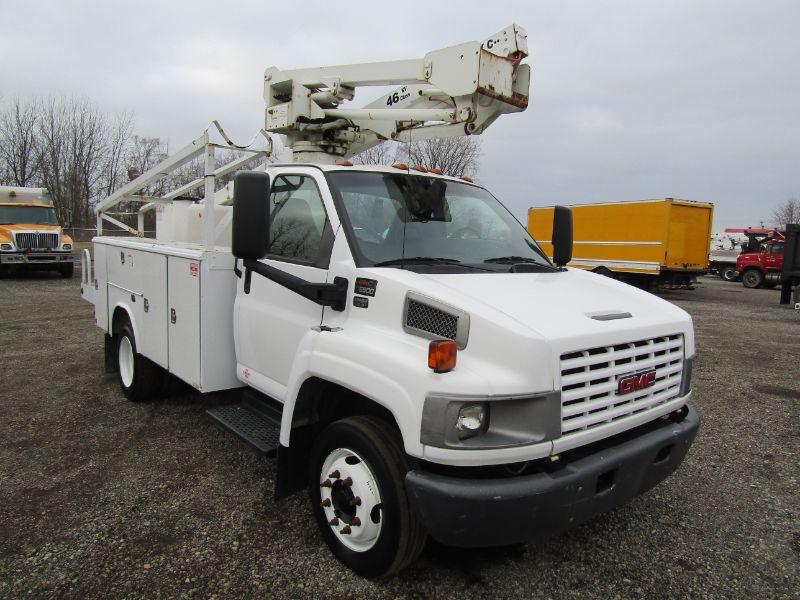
(30, 235)
(663, 241)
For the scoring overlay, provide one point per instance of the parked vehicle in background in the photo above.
(726, 248)
(30, 235)
(790, 286)
(643, 242)
(764, 267)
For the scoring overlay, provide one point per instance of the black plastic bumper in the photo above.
(494, 512)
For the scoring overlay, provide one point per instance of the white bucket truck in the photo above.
(415, 359)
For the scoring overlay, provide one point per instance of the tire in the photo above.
(752, 278)
(369, 452)
(139, 377)
(67, 270)
(728, 274)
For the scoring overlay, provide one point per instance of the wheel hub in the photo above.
(350, 499)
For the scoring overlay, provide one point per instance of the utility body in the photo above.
(642, 242)
(410, 352)
(30, 235)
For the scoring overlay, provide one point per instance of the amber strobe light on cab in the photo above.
(442, 355)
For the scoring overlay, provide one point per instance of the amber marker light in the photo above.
(442, 355)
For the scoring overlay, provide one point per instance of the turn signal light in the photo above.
(442, 355)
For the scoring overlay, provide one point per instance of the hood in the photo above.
(572, 308)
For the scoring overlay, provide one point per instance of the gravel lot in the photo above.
(100, 497)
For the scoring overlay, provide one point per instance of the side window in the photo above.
(298, 219)
(777, 249)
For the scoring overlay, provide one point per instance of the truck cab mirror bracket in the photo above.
(325, 294)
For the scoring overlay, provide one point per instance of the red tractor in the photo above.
(762, 266)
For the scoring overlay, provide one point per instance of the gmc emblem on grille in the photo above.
(633, 383)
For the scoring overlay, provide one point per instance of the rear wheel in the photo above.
(752, 278)
(728, 273)
(139, 377)
(357, 490)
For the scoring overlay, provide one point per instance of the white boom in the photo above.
(450, 92)
(454, 91)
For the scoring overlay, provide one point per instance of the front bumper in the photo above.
(494, 512)
(36, 258)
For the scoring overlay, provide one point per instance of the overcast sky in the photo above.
(629, 100)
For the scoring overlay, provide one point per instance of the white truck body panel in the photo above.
(199, 286)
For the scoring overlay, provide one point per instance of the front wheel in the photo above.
(66, 270)
(752, 278)
(357, 473)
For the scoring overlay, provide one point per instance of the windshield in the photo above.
(402, 220)
(27, 215)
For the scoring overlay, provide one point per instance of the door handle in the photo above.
(173, 316)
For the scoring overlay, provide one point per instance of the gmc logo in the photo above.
(635, 382)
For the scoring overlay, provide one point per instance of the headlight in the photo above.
(6, 247)
(453, 421)
(66, 246)
(470, 421)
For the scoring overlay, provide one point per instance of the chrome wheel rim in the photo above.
(351, 501)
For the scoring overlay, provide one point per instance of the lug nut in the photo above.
(355, 522)
(333, 522)
(347, 482)
(326, 502)
(334, 475)
(326, 483)
(355, 501)
(346, 530)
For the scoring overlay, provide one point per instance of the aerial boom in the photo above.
(450, 92)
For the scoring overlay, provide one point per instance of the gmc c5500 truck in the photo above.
(30, 236)
(403, 344)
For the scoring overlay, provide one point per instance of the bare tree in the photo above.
(455, 156)
(18, 131)
(80, 153)
(382, 154)
(787, 212)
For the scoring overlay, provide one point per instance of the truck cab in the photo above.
(762, 268)
(30, 235)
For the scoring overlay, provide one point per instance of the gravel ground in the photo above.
(100, 497)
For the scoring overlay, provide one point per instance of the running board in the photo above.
(256, 421)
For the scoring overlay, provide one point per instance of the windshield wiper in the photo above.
(513, 260)
(418, 260)
(431, 260)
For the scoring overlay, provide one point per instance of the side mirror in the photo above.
(250, 230)
(562, 235)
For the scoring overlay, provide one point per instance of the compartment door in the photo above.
(183, 318)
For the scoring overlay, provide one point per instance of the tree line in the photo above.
(80, 153)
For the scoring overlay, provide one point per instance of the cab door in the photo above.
(272, 322)
(773, 259)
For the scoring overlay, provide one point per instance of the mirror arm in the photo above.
(326, 294)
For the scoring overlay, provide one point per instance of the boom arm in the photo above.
(454, 91)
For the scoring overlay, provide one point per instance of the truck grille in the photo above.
(36, 241)
(589, 380)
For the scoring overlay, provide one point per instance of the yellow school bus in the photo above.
(646, 241)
